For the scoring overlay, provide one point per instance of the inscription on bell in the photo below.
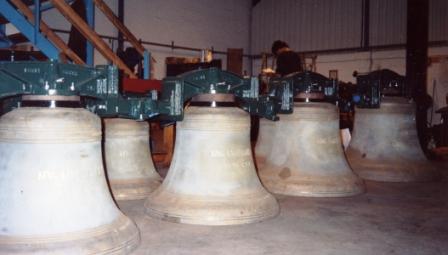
(229, 153)
(240, 164)
(57, 174)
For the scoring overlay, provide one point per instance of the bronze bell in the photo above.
(265, 140)
(129, 165)
(212, 178)
(385, 145)
(306, 157)
(54, 197)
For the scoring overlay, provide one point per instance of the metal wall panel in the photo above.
(387, 22)
(438, 20)
(334, 24)
(306, 24)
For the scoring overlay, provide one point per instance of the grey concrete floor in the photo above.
(390, 218)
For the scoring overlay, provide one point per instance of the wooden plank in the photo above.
(91, 35)
(46, 30)
(235, 61)
(437, 58)
(119, 25)
(168, 140)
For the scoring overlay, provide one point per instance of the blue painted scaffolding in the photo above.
(31, 29)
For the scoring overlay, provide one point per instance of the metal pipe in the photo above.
(171, 46)
(257, 56)
(361, 49)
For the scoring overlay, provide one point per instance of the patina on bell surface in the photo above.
(129, 165)
(54, 197)
(385, 145)
(305, 157)
(212, 178)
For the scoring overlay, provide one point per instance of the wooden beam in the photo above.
(437, 58)
(91, 35)
(119, 25)
(46, 30)
(168, 142)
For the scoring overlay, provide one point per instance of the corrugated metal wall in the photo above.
(387, 22)
(334, 24)
(438, 20)
(306, 24)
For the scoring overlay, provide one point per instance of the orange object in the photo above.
(140, 85)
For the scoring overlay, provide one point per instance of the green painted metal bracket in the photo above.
(371, 87)
(99, 91)
(180, 89)
(98, 87)
(305, 83)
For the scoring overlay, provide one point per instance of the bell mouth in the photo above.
(214, 100)
(309, 97)
(51, 101)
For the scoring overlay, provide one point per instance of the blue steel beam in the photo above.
(146, 65)
(27, 29)
(36, 19)
(90, 14)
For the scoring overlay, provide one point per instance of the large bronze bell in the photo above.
(212, 179)
(54, 197)
(265, 140)
(129, 165)
(385, 146)
(306, 157)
